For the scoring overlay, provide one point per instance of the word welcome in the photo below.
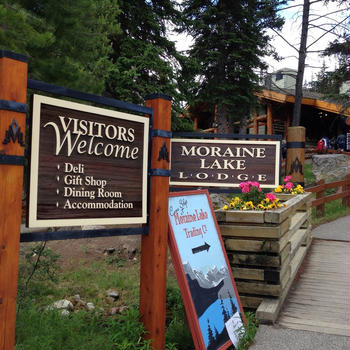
(69, 133)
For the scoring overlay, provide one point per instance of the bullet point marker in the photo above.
(58, 167)
(57, 191)
(57, 205)
(57, 178)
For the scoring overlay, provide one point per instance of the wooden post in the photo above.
(346, 187)
(296, 153)
(269, 119)
(13, 90)
(255, 124)
(319, 195)
(154, 245)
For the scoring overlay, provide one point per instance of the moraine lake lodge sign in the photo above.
(88, 165)
(224, 163)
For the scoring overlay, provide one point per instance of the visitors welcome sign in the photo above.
(88, 165)
(225, 163)
(210, 296)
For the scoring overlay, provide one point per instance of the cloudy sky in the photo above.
(330, 15)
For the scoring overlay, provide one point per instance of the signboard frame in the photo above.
(230, 183)
(32, 220)
(192, 306)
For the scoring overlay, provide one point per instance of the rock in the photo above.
(76, 298)
(219, 200)
(123, 309)
(109, 251)
(62, 304)
(90, 306)
(113, 294)
(330, 167)
(65, 313)
(117, 310)
(80, 305)
(114, 311)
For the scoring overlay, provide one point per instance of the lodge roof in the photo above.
(310, 98)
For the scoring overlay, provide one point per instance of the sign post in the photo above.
(13, 90)
(154, 245)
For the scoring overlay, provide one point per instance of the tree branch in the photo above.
(281, 36)
(326, 15)
(328, 31)
(325, 30)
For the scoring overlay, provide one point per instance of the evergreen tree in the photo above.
(143, 57)
(329, 83)
(233, 306)
(225, 314)
(230, 40)
(210, 336)
(67, 42)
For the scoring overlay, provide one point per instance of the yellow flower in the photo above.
(278, 189)
(225, 207)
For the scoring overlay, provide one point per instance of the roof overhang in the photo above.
(319, 104)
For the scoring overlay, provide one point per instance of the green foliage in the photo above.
(178, 335)
(38, 273)
(144, 59)
(249, 331)
(67, 42)
(230, 40)
(333, 211)
(49, 330)
(328, 83)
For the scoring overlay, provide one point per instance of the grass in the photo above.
(38, 328)
(333, 210)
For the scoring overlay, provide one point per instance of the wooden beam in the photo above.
(269, 119)
(319, 104)
(154, 245)
(256, 124)
(13, 88)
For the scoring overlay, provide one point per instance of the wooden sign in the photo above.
(226, 163)
(88, 165)
(208, 289)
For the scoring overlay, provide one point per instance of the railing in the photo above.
(343, 192)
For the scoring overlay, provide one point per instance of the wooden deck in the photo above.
(320, 298)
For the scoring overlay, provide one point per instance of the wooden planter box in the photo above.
(265, 250)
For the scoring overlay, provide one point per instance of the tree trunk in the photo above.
(222, 119)
(301, 65)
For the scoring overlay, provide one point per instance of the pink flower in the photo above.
(245, 189)
(287, 178)
(289, 185)
(255, 184)
(243, 184)
(271, 197)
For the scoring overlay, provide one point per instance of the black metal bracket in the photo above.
(61, 235)
(163, 153)
(11, 160)
(162, 133)
(14, 132)
(296, 167)
(295, 144)
(13, 106)
(160, 172)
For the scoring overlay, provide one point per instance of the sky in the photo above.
(291, 32)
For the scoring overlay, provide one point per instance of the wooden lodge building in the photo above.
(321, 118)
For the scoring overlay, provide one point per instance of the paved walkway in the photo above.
(316, 313)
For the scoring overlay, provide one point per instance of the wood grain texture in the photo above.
(154, 245)
(296, 156)
(320, 300)
(13, 86)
